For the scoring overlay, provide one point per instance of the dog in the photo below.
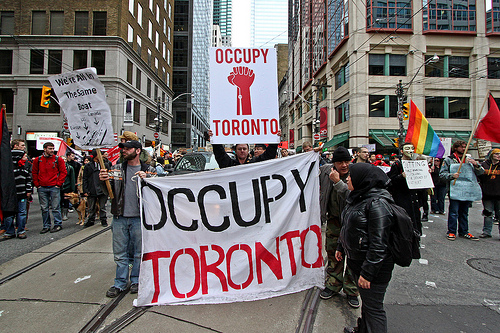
(75, 200)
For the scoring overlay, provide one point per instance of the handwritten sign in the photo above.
(466, 187)
(417, 174)
(243, 95)
(83, 99)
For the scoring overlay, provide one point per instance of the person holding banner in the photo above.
(242, 151)
(126, 225)
(364, 240)
(458, 211)
(490, 186)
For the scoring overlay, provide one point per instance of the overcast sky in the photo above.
(241, 23)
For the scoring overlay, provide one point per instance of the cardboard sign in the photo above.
(417, 174)
(237, 234)
(83, 99)
(243, 95)
(466, 187)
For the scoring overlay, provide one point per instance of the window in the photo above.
(82, 23)
(434, 107)
(130, 69)
(150, 118)
(156, 65)
(148, 87)
(7, 23)
(139, 41)
(342, 113)
(56, 23)
(387, 64)
(6, 62)
(389, 14)
(165, 27)
(149, 57)
(169, 12)
(458, 66)
(167, 79)
(157, 14)
(36, 61)
(99, 61)
(292, 116)
(376, 64)
(493, 68)
(100, 22)
(130, 34)
(139, 14)
(168, 57)
(38, 23)
(451, 15)
(448, 66)
(137, 112)
(131, 6)
(338, 23)
(299, 134)
(458, 107)
(169, 33)
(157, 40)
(164, 125)
(434, 69)
(138, 79)
(150, 31)
(493, 17)
(156, 92)
(383, 106)
(79, 59)
(164, 53)
(55, 62)
(151, 5)
(397, 65)
(35, 95)
(342, 76)
(181, 14)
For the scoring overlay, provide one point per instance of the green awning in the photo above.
(454, 135)
(384, 137)
(337, 139)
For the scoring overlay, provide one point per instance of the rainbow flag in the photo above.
(421, 134)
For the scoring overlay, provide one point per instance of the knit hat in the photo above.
(341, 154)
(129, 136)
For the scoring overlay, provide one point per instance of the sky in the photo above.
(241, 23)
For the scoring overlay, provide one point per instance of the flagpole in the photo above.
(472, 133)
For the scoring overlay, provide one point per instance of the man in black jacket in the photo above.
(92, 189)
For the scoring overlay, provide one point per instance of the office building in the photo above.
(222, 18)
(268, 23)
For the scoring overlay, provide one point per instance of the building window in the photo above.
(458, 107)
(38, 23)
(434, 69)
(148, 87)
(139, 41)
(137, 112)
(131, 6)
(150, 118)
(434, 107)
(493, 68)
(458, 66)
(7, 23)
(164, 125)
(450, 15)
(138, 79)
(156, 93)
(383, 106)
(342, 76)
(99, 23)
(79, 59)
(165, 27)
(169, 12)
(389, 14)
(299, 134)
(157, 14)
(448, 66)
(493, 17)
(397, 65)
(338, 23)
(169, 34)
(168, 57)
(387, 64)
(56, 23)
(150, 31)
(130, 34)
(130, 70)
(36, 61)
(157, 40)
(342, 113)
(376, 64)
(292, 116)
(151, 5)
(99, 61)
(139, 14)
(35, 95)
(55, 62)
(6, 62)
(149, 57)
(181, 15)
(82, 23)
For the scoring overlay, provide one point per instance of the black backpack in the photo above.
(404, 240)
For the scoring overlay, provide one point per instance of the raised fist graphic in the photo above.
(242, 78)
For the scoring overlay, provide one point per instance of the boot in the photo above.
(425, 217)
(64, 212)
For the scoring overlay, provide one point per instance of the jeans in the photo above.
(92, 208)
(437, 199)
(491, 209)
(126, 230)
(20, 219)
(458, 210)
(50, 196)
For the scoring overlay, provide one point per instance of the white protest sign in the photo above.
(236, 234)
(417, 174)
(41, 140)
(447, 146)
(385, 169)
(243, 95)
(466, 187)
(83, 99)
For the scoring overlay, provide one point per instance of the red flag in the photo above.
(488, 126)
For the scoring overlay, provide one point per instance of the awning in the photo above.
(454, 135)
(298, 149)
(386, 137)
(337, 139)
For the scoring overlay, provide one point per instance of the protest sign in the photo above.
(385, 169)
(417, 174)
(42, 139)
(83, 99)
(237, 234)
(466, 187)
(243, 95)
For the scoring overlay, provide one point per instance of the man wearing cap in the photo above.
(333, 195)
(130, 136)
(126, 225)
(93, 189)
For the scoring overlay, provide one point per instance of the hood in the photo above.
(489, 158)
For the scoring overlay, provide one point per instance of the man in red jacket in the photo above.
(49, 173)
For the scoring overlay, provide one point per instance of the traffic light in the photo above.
(69, 141)
(153, 143)
(396, 142)
(45, 101)
(406, 111)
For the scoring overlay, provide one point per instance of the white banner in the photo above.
(83, 99)
(243, 95)
(237, 234)
(417, 174)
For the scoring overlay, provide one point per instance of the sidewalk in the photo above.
(63, 294)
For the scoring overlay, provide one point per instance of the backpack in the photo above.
(404, 240)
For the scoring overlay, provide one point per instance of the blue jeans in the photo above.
(126, 230)
(50, 197)
(437, 200)
(491, 209)
(20, 219)
(458, 211)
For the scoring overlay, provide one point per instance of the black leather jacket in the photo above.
(366, 229)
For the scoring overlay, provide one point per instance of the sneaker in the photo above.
(442, 213)
(113, 292)
(425, 218)
(134, 289)
(86, 225)
(104, 224)
(56, 229)
(484, 236)
(44, 230)
(353, 301)
(469, 236)
(21, 236)
(327, 293)
(451, 237)
(71, 210)
(8, 236)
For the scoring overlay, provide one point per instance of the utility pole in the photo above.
(400, 95)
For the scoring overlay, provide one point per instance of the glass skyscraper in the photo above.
(223, 18)
(269, 23)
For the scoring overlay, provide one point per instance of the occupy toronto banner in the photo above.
(237, 234)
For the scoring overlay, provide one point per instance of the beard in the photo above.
(130, 156)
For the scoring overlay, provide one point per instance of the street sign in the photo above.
(316, 136)
(156, 135)
(65, 126)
